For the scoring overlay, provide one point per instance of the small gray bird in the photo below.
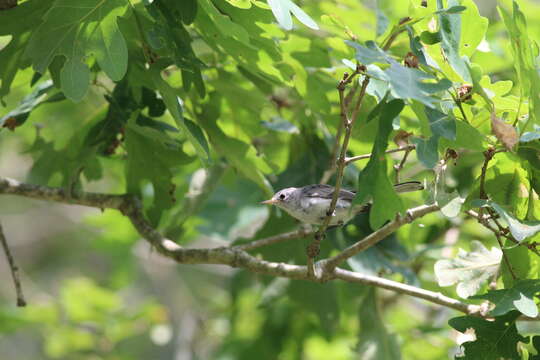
(310, 203)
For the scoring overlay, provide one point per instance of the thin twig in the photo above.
(14, 269)
(313, 248)
(398, 167)
(500, 230)
(344, 102)
(506, 260)
(488, 155)
(297, 234)
(367, 156)
(380, 234)
(332, 166)
(457, 101)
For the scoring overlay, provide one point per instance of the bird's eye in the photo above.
(282, 196)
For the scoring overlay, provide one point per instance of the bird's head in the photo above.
(283, 198)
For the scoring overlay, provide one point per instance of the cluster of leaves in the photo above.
(142, 95)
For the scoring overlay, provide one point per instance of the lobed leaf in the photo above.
(76, 30)
(494, 339)
(520, 297)
(468, 269)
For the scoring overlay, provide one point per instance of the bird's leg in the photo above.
(313, 249)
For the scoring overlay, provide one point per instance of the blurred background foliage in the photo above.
(258, 111)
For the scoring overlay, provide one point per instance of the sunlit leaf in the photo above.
(520, 297)
(450, 31)
(520, 230)
(282, 10)
(76, 31)
(469, 270)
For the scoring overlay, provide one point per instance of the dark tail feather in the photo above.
(408, 186)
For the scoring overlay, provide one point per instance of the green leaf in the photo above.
(318, 298)
(494, 339)
(282, 10)
(530, 152)
(373, 180)
(450, 203)
(369, 54)
(186, 8)
(407, 83)
(467, 137)
(237, 152)
(531, 135)
(77, 31)
(75, 78)
(242, 4)
(450, 31)
(169, 33)
(174, 105)
(281, 126)
(475, 27)
(375, 341)
(519, 230)
(456, 9)
(12, 57)
(525, 52)
(536, 344)
(151, 157)
(441, 124)
(427, 150)
(39, 96)
(430, 38)
(382, 20)
(387, 256)
(469, 269)
(520, 297)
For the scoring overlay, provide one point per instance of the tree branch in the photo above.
(297, 234)
(14, 269)
(236, 256)
(431, 296)
(380, 234)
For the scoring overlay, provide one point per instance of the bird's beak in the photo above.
(269, 202)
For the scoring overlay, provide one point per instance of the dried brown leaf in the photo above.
(506, 133)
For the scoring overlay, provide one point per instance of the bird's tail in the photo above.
(408, 186)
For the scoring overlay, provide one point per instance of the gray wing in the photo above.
(326, 192)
